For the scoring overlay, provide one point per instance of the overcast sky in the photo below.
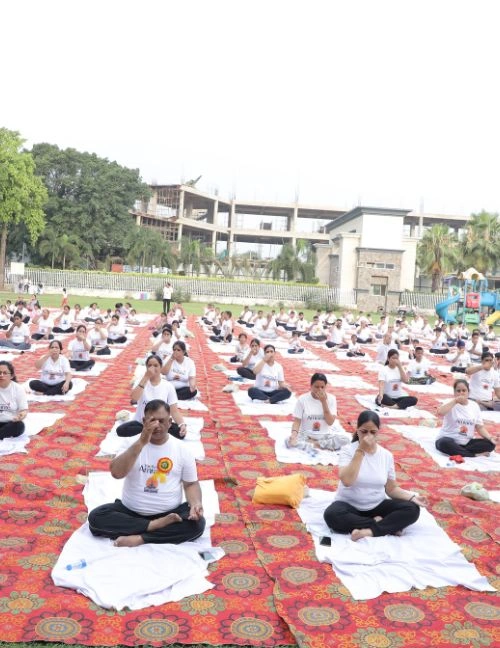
(341, 103)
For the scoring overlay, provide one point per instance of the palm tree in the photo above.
(481, 242)
(144, 244)
(437, 253)
(48, 242)
(190, 255)
(69, 246)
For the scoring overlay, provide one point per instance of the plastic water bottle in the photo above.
(79, 564)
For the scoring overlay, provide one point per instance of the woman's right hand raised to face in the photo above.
(367, 443)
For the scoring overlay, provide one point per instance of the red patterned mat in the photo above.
(269, 588)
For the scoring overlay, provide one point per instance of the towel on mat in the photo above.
(305, 355)
(391, 564)
(435, 388)
(34, 423)
(79, 386)
(347, 382)
(96, 370)
(426, 437)
(280, 431)
(112, 444)
(155, 573)
(256, 408)
(384, 412)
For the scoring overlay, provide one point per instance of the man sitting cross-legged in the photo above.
(156, 468)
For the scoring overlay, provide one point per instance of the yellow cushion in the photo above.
(287, 490)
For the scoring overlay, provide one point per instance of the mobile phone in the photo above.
(326, 541)
(206, 555)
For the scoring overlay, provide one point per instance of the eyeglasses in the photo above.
(5, 373)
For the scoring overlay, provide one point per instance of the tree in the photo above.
(190, 255)
(144, 247)
(287, 263)
(22, 194)
(89, 197)
(437, 253)
(481, 242)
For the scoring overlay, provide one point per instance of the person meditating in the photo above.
(313, 419)
(270, 383)
(80, 349)
(180, 370)
(13, 403)
(390, 377)
(369, 501)
(462, 418)
(55, 372)
(152, 387)
(156, 468)
(252, 358)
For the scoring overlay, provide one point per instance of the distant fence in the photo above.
(425, 301)
(196, 287)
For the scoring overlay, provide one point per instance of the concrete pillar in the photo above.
(212, 213)
(230, 244)
(231, 221)
(180, 209)
(179, 232)
(293, 225)
(420, 226)
(214, 242)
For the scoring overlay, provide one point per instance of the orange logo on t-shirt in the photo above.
(463, 429)
(316, 426)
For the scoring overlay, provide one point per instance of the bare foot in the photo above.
(483, 454)
(397, 533)
(128, 541)
(164, 521)
(378, 518)
(357, 534)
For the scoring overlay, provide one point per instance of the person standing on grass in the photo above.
(167, 296)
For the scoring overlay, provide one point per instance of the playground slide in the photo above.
(488, 299)
(442, 308)
(494, 317)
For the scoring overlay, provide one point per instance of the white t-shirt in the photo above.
(65, 321)
(255, 359)
(336, 335)
(368, 491)
(97, 337)
(418, 369)
(241, 350)
(165, 391)
(310, 412)
(478, 347)
(52, 372)
(164, 350)
(5, 319)
(44, 325)
(364, 334)
(462, 359)
(301, 325)
(78, 352)
(180, 373)
(482, 383)
(441, 341)
(167, 292)
(226, 328)
(115, 331)
(460, 422)
(12, 401)
(154, 484)
(392, 381)
(19, 334)
(269, 377)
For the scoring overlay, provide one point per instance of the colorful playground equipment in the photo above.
(469, 295)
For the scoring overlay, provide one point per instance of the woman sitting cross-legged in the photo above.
(369, 501)
(270, 383)
(13, 403)
(116, 333)
(390, 378)
(314, 416)
(98, 338)
(55, 372)
(152, 387)
(181, 372)
(252, 358)
(80, 348)
(462, 418)
(63, 323)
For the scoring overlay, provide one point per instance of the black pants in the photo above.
(114, 520)
(397, 514)
(449, 446)
(403, 402)
(245, 372)
(458, 369)
(48, 390)
(58, 329)
(316, 338)
(81, 365)
(119, 340)
(354, 354)
(40, 336)
(166, 305)
(331, 345)
(273, 396)
(185, 393)
(219, 338)
(134, 428)
(11, 429)
(439, 351)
